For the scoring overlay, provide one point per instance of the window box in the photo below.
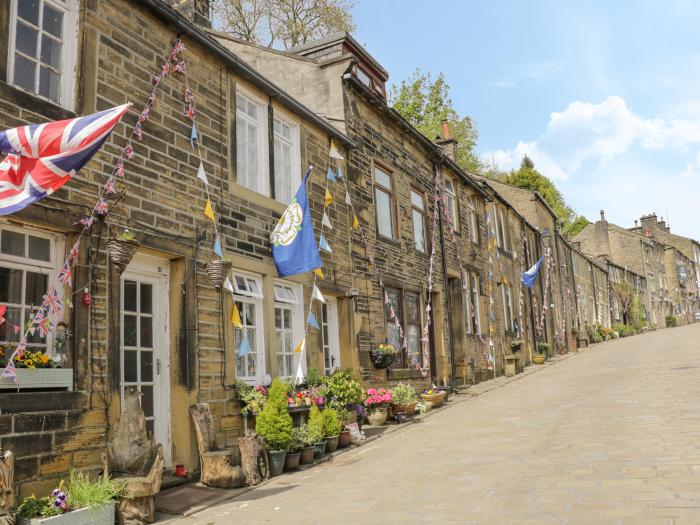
(103, 515)
(32, 378)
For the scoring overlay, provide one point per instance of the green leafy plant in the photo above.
(343, 415)
(542, 347)
(404, 394)
(253, 399)
(671, 320)
(126, 235)
(316, 423)
(33, 507)
(344, 389)
(331, 422)
(84, 492)
(314, 378)
(274, 424)
(297, 441)
(515, 344)
(306, 435)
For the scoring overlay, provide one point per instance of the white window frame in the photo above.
(246, 288)
(472, 222)
(49, 268)
(68, 50)
(451, 202)
(296, 331)
(255, 299)
(285, 293)
(262, 179)
(420, 210)
(295, 158)
(391, 193)
(507, 299)
(473, 302)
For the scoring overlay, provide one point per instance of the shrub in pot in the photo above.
(316, 427)
(293, 457)
(331, 428)
(345, 416)
(307, 437)
(344, 389)
(404, 399)
(541, 355)
(274, 425)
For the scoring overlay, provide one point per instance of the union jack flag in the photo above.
(53, 302)
(74, 252)
(43, 157)
(66, 275)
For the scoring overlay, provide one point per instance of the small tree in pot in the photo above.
(331, 428)
(307, 437)
(316, 429)
(274, 425)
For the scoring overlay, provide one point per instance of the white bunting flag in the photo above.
(318, 295)
(334, 153)
(347, 198)
(227, 285)
(326, 221)
(201, 174)
(299, 376)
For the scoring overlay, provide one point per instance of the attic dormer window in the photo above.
(370, 81)
(363, 77)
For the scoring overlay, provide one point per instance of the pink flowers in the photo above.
(377, 398)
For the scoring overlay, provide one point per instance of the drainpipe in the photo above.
(453, 365)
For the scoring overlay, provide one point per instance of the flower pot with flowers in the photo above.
(80, 502)
(306, 437)
(274, 425)
(404, 399)
(541, 353)
(377, 404)
(382, 356)
(433, 397)
(35, 369)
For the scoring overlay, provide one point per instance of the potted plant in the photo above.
(343, 389)
(377, 403)
(82, 502)
(316, 429)
(293, 457)
(344, 437)
(433, 397)
(404, 399)
(516, 345)
(331, 428)
(218, 270)
(307, 437)
(382, 356)
(121, 249)
(35, 370)
(540, 356)
(274, 425)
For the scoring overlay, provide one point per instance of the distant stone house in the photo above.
(160, 326)
(619, 275)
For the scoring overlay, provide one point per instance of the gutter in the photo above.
(172, 17)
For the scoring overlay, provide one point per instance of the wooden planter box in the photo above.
(31, 378)
(98, 516)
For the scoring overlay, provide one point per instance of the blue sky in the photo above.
(604, 96)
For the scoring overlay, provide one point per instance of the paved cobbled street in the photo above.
(611, 435)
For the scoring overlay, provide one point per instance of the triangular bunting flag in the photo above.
(312, 322)
(316, 294)
(227, 285)
(209, 211)
(326, 221)
(355, 222)
(319, 273)
(217, 247)
(330, 175)
(236, 317)
(347, 198)
(300, 347)
(244, 348)
(299, 376)
(329, 198)
(334, 153)
(10, 372)
(3, 309)
(323, 244)
(193, 135)
(340, 171)
(201, 174)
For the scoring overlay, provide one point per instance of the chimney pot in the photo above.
(445, 130)
(602, 215)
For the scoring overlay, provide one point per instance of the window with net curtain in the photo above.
(384, 202)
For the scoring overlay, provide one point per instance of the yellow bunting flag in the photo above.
(300, 346)
(236, 317)
(355, 222)
(329, 198)
(209, 211)
(319, 273)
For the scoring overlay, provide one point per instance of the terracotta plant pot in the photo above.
(343, 439)
(377, 416)
(331, 444)
(538, 359)
(307, 455)
(319, 450)
(121, 251)
(409, 409)
(291, 462)
(217, 270)
(276, 458)
(434, 400)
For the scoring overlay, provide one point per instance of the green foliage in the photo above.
(404, 394)
(624, 330)
(636, 314)
(274, 423)
(542, 347)
(425, 103)
(344, 389)
(126, 235)
(343, 415)
(83, 492)
(306, 435)
(33, 507)
(252, 398)
(316, 424)
(331, 422)
(575, 227)
(314, 378)
(671, 320)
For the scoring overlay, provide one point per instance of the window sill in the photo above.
(40, 105)
(389, 240)
(39, 378)
(257, 198)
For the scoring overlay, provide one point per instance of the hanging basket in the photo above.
(217, 270)
(121, 251)
(381, 360)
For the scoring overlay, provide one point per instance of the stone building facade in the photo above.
(184, 350)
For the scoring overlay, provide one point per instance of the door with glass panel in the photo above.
(329, 334)
(145, 343)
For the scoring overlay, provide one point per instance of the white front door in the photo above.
(144, 346)
(329, 332)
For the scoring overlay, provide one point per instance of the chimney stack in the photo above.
(447, 144)
(602, 215)
(197, 11)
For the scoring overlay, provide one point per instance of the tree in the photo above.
(425, 103)
(283, 23)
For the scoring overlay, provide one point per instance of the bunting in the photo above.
(326, 221)
(209, 211)
(329, 198)
(316, 294)
(236, 317)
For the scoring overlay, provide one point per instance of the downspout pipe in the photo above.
(448, 299)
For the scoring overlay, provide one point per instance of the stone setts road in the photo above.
(608, 436)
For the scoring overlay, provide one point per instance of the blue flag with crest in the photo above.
(530, 276)
(293, 241)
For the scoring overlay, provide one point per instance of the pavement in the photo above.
(605, 436)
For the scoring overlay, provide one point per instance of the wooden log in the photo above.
(254, 461)
(7, 496)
